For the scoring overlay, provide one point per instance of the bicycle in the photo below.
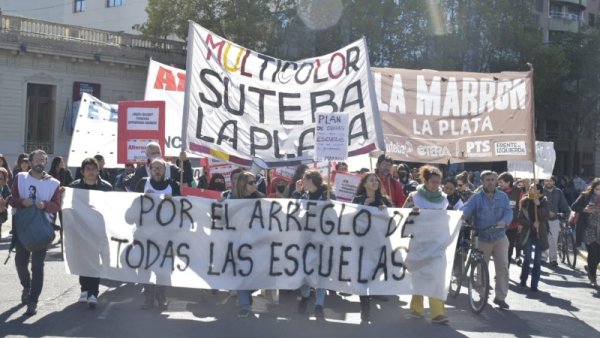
(567, 250)
(469, 259)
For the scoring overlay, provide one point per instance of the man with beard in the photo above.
(391, 186)
(491, 212)
(159, 184)
(556, 203)
(152, 152)
(34, 187)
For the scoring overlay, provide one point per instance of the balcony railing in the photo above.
(56, 31)
(565, 16)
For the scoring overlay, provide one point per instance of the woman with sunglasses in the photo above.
(245, 187)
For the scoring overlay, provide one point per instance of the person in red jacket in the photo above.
(506, 184)
(391, 186)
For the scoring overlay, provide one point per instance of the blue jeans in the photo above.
(319, 294)
(244, 299)
(537, 261)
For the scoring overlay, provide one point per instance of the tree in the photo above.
(454, 35)
(255, 24)
(573, 97)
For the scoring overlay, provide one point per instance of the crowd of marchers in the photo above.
(518, 220)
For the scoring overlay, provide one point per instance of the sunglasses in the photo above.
(252, 182)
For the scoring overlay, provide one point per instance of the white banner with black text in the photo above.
(258, 243)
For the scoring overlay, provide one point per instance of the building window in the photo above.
(39, 129)
(592, 19)
(114, 3)
(79, 6)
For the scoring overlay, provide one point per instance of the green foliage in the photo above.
(458, 35)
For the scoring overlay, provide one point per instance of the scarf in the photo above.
(433, 197)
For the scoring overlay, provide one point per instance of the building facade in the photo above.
(555, 18)
(45, 67)
(112, 15)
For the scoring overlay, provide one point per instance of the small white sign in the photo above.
(511, 148)
(140, 118)
(331, 136)
(345, 186)
(136, 150)
(544, 163)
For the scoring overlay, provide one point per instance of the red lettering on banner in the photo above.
(181, 84)
(210, 43)
(341, 56)
(166, 80)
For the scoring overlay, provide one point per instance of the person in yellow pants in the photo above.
(436, 306)
(428, 195)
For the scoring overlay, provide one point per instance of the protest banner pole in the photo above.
(533, 152)
(181, 172)
(328, 179)
(533, 145)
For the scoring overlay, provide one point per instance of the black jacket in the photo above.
(319, 195)
(175, 190)
(188, 175)
(379, 201)
(101, 185)
(580, 203)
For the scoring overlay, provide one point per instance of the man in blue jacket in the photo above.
(491, 214)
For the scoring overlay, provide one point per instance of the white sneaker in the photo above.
(83, 297)
(92, 302)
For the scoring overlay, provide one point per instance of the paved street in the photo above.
(564, 307)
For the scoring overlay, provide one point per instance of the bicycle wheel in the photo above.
(479, 285)
(561, 247)
(570, 250)
(457, 274)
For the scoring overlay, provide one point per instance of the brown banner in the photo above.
(436, 117)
